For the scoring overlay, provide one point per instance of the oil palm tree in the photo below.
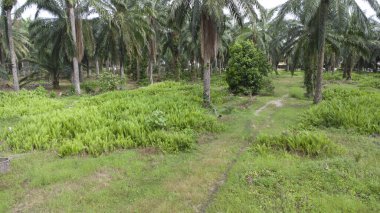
(321, 12)
(50, 37)
(7, 7)
(122, 32)
(64, 10)
(206, 17)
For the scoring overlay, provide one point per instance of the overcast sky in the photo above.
(266, 3)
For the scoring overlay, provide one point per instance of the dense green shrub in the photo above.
(91, 87)
(346, 108)
(106, 82)
(167, 116)
(110, 82)
(299, 142)
(157, 120)
(247, 68)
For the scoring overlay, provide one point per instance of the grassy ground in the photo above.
(223, 173)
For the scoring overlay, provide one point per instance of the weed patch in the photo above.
(26, 103)
(304, 143)
(167, 116)
(370, 82)
(348, 109)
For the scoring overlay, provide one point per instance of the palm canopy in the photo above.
(209, 14)
(319, 22)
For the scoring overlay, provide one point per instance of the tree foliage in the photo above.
(247, 68)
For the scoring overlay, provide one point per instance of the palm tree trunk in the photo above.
(333, 62)
(345, 69)
(138, 70)
(349, 73)
(97, 67)
(276, 68)
(193, 71)
(76, 81)
(323, 13)
(177, 67)
(150, 71)
(122, 73)
(376, 66)
(351, 65)
(56, 80)
(16, 85)
(80, 72)
(207, 84)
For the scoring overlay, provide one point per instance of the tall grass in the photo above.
(166, 115)
(304, 143)
(351, 109)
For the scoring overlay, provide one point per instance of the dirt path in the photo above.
(277, 103)
(223, 178)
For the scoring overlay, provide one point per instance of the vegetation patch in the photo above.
(106, 82)
(167, 116)
(346, 108)
(25, 103)
(297, 92)
(373, 82)
(304, 143)
(248, 69)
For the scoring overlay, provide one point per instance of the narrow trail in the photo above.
(222, 179)
(224, 176)
(277, 103)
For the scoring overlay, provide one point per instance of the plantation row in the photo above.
(167, 116)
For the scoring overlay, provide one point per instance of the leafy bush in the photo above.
(157, 120)
(247, 68)
(167, 116)
(110, 82)
(346, 108)
(91, 87)
(106, 82)
(299, 142)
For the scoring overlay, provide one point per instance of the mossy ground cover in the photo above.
(270, 179)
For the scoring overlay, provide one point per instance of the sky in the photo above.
(29, 13)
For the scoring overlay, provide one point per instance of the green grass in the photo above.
(260, 180)
(140, 180)
(272, 179)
